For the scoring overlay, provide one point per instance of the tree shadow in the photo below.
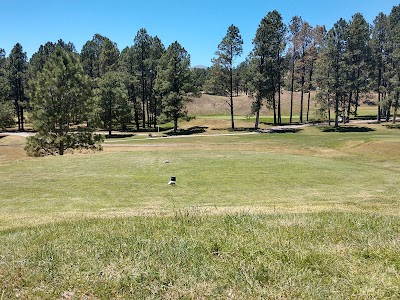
(393, 126)
(371, 117)
(118, 136)
(241, 129)
(280, 130)
(346, 129)
(149, 129)
(188, 131)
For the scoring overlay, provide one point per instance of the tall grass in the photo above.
(192, 256)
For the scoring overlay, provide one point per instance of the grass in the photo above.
(306, 215)
(236, 256)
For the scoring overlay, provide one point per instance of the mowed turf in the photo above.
(306, 215)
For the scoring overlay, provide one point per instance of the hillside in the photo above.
(217, 105)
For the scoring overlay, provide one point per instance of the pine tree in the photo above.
(131, 81)
(317, 36)
(61, 97)
(112, 100)
(174, 82)
(229, 48)
(217, 82)
(378, 47)
(393, 65)
(90, 57)
(332, 60)
(358, 60)
(294, 29)
(142, 44)
(108, 57)
(6, 107)
(267, 66)
(17, 68)
(304, 44)
(157, 49)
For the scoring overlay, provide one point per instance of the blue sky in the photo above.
(199, 26)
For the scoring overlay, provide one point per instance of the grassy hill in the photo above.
(208, 105)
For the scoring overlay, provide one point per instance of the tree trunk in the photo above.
(148, 113)
(301, 106)
(387, 112)
(301, 98)
(18, 112)
(61, 134)
(175, 124)
(257, 119)
(348, 108)
(329, 112)
(143, 107)
(143, 91)
(155, 113)
(109, 116)
(274, 107)
(336, 109)
(356, 103)
(308, 104)
(378, 116)
(61, 147)
(231, 98)
(309, 91)
(22, 119)
(279, 89)
(279, 107)
(396, 107)
(291, 93)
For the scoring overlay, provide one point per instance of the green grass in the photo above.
(307, 215)
(237, 256)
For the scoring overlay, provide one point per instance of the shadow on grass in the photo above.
(118, 136)
(281, 124)
(370, 117)
(280, 130)
(189, 131)
(393, 126)
(149, 130)
(241, 129)
(346, 129)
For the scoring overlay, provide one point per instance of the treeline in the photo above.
(70, 93)
(351, 59)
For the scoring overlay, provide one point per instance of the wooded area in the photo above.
(68, 94)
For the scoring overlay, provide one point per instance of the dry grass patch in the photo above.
(12, 148)
(210, 105)
(381, 150)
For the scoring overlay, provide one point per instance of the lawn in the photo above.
(306, 215)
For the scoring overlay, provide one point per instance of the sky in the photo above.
(199, 26)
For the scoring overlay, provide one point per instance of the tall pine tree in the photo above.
(61, 97)
(267, 63)
(228, 49)
(17, 68)
(6, 107)
(174, 82)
